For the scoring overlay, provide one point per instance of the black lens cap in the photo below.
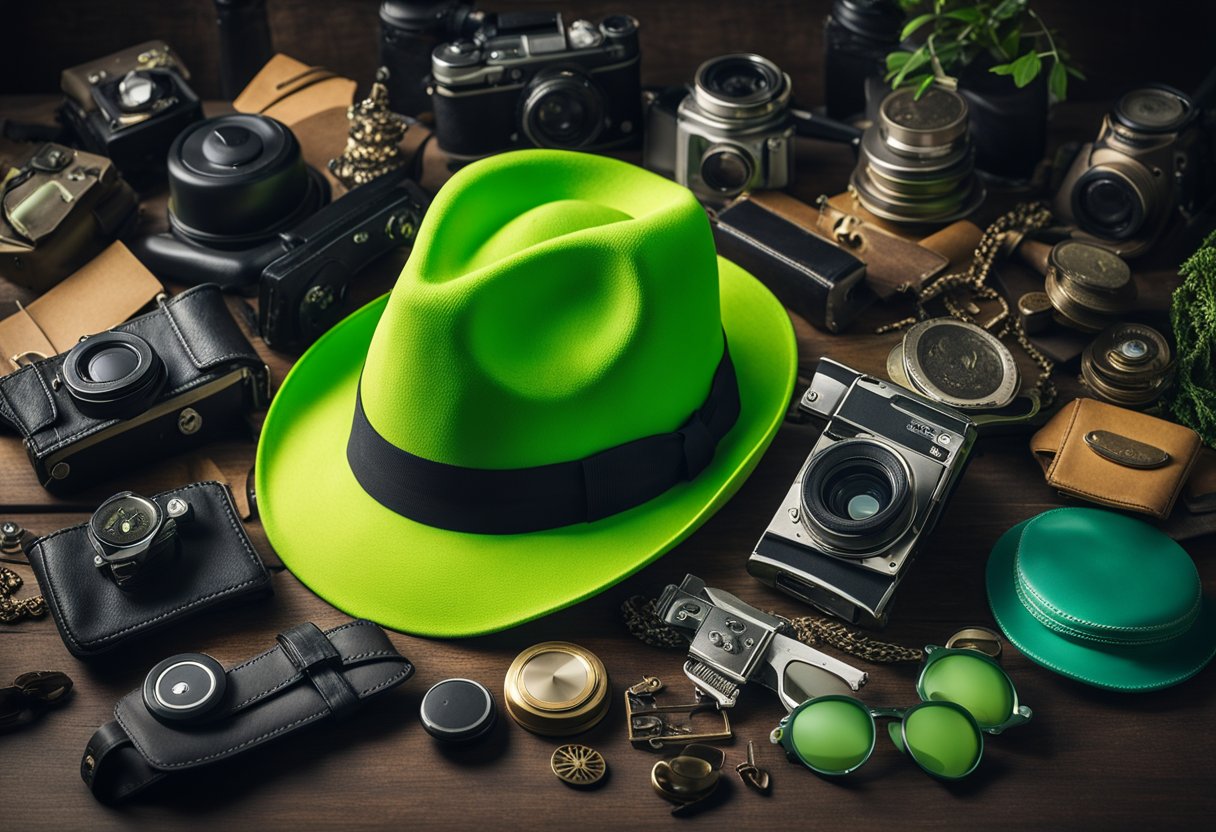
(185, 687)
(458, 710)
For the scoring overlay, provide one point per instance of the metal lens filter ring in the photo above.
(835, 735)
(113, 375)
(1128, 364)
(855, 494)
(740, 87)
(916, 162)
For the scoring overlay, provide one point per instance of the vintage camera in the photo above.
(732, 132)
(872, 488)
(58, 209)
(246, 212)
(163, 382)
(526, 80)
(130, 106)
(409, 32)
(1147, 163)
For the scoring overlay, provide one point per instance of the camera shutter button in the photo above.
(231, 145)
(184, 687)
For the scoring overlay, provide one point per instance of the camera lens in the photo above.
(1107, 204)
(855, 494)
(726, 169)
(563, 110)
(137, 91)
(125, 520)
(1155, 109)
(617, 25)
(740, 77)
(113, 375)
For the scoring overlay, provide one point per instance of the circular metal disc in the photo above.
(960, 364)
(556, 688)
(1091, 266)
(578, 765)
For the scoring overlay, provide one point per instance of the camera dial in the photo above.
(129, 532)
(184, 687)
(113, 375)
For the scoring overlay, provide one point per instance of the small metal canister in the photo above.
(556, 688)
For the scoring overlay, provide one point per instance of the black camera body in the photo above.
(162, 383)
(303, 292)
(247, 213)
(872, 488)
(409, 31)
(527, 80)
(130, 106)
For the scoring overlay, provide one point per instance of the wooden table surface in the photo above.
(1089, 758)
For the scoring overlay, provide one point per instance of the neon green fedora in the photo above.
(564, 383)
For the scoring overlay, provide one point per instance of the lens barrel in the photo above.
(113, 375)
(916, 163)
(1129, 365)
(563, 109)
(857, 496)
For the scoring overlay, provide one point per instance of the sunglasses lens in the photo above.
(806, 681)
(833, 735)
(941, 739)
(979, 686)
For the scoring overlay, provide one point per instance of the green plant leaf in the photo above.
(924, 84)
(966, 14)
(1057, 81)
(918, 59)
(1026, 68)
(1002, 69)
(1075, 73)
(914, 24)
(896, 60)
(1011, 41)
(1009, 8)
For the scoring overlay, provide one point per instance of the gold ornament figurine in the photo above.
(373, 147)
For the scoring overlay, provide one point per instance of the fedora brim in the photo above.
(1126, 668)
(372, 563)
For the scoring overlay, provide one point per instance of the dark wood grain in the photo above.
(1089, 759)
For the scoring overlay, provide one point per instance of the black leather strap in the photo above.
(316, 657)
(266, 697)
(516, 500)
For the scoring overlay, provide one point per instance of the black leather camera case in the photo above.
(215, 565)
(212, 371)
(308, 677)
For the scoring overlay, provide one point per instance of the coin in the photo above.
(959, 364)
(578, 765)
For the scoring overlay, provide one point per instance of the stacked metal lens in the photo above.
(1089, 286)
(916, 163)
(1128, 365)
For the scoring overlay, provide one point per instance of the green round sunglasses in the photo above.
(964, 695)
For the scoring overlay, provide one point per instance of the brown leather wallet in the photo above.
(1116, 457)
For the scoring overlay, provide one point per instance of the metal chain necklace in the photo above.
(959, 291)
(14, 609)
(646, 626)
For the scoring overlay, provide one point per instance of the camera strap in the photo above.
(311, 675)
(516, 500)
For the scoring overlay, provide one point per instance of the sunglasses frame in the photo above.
(934, 653)
(781, 735)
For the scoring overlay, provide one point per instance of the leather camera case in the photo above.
(212, 371)
(66, 233)
(1075, 468)
(216, 564)
(812, 276)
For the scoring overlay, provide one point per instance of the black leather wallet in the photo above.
(308, 677)
(216, 564)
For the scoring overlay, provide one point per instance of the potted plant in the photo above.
(1003, 58)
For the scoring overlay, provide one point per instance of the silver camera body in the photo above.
(872, 488)
(731, 132)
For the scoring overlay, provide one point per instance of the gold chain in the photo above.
(959, 291)
(13, 609)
